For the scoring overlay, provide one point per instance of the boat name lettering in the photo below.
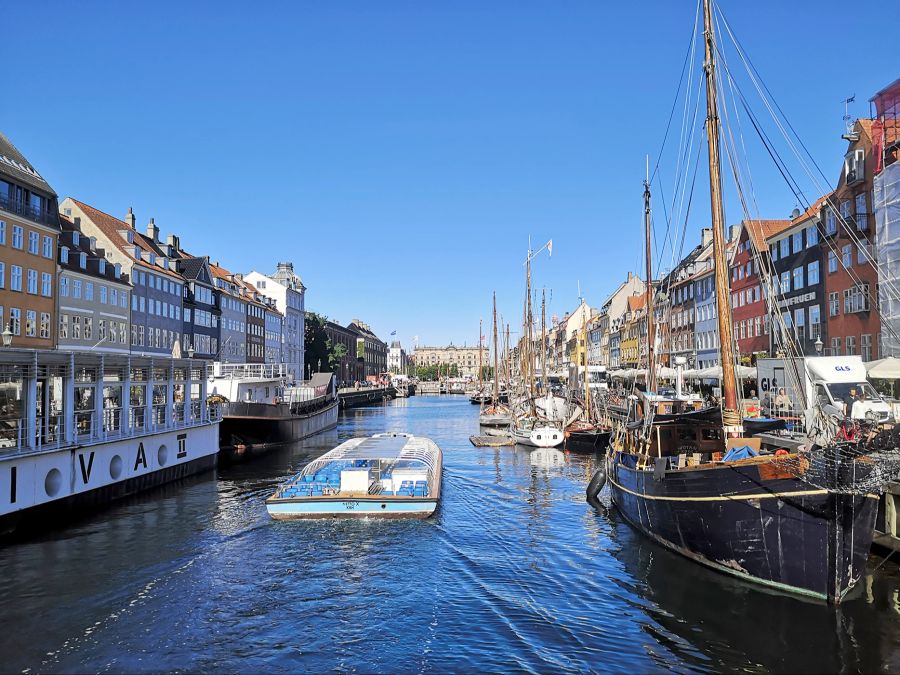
(86, 470)
(141, 457)
(351, 505)
(182, 446)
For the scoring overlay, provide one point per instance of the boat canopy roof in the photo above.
(387, 447)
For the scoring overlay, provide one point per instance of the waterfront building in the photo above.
(750, 267)
(396, 359)
(94, 295)
(29, 232)
(615, 341)
(255, 321)
(679, 288)
(594, 337)
(885, 135)
(350, 368)
(851, 280)
(464, 358)
(633, 338)
(156, 295)
(611, 312)
(201, 311)
(233, 320)
(286, 288)
(274, 348)
(799, 284)
(372, 350)
(706, 324)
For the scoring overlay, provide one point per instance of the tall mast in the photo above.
(587, 386)
(543, 342)
(496, 360)
(480, 367)
(529, 321)
(651, 326)
(726, 338)
(509, 364)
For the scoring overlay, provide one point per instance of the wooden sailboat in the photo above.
(530, 426)
(800, 522)
(496, 414)
(586, 434)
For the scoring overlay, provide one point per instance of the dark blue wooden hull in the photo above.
(779, 531)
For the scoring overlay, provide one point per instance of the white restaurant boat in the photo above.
(390, 475)
(537, 433)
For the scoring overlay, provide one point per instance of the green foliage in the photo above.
(315, 340)
(335, 354)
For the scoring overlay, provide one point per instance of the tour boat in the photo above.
(389, 475)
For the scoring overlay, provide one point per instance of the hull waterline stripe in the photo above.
(721, 498)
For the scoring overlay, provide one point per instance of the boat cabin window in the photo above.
(712, 434)
(822, 395)
(686, 434)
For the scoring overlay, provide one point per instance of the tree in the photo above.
(335, 354)
(315, 339)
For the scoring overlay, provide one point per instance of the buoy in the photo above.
(780, 452)
(594, 487)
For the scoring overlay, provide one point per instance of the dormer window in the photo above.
(854, 167)
(93, 243)
(152, 258)
(76, 238)
(64, 254)
(102, 266)
(117, 270)
(82, 260)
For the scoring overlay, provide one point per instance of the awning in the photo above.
(884, 369)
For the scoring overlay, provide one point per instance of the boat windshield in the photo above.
(840, 391)
(382, 452)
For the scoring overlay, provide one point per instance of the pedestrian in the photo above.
(849, 401)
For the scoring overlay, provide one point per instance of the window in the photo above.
(88, 290)
(815, 322)
(64, 254)
(758, 324)
(863, 252)
(32, 282)
(34, 242)
(845, 209)
(834, 304)
(30, 323)
(82, 260)
(798, 278)
(740, 301)
(123, 299)
(142, 307)
(18, 238)
(46, 284)
(862, 216)
(832, 262)
(88, 327)
(2, 278)
(835, 346)
(785, 247)
(850, 341)
(113, 296)
(48, 248)
(773, 250)
(800, 323)
(798, 241)
(756, 294)
(847, 255)
(856, 299)
(830, 222)
(76, 327)
(15, 320)
(76, 288)
(15, 278)
(101, 330)
(812, 236)
(2, 236)
(45, 325)
(812, 273)
(865, 347)
(785, 282)
(102, 295)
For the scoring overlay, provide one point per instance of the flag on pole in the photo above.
(393, 332)
(550, 247)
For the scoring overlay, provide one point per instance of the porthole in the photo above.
(115, 467)
(162, 455)
(384, 506)
(53, 482)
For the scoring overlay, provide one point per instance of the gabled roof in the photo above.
(636, 302)
(19, 169)
(760, 230)
(191, 268)
(111, 226)
(67, 239)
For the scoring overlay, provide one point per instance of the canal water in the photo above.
(514, 572)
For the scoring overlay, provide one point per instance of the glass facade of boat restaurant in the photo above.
(55, 399)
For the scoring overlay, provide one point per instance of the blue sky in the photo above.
(401, 153)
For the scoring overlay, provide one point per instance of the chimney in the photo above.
(153, 231)
(706, 236)
(735, 232)
(129, 218)
(173, 241)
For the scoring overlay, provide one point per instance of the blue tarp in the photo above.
(741, 452)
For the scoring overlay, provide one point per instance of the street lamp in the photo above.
(319, 369)
(191, 352)
(818, 345)
(7, 336)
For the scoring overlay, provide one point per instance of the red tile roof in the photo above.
(760, 230)
(111, 226)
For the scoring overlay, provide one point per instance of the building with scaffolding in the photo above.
(885, 132)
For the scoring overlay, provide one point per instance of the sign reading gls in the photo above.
(843, 369)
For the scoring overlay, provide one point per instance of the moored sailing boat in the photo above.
(801, 521)
(495, 414)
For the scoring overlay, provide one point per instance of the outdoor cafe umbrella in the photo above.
(884, 369)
